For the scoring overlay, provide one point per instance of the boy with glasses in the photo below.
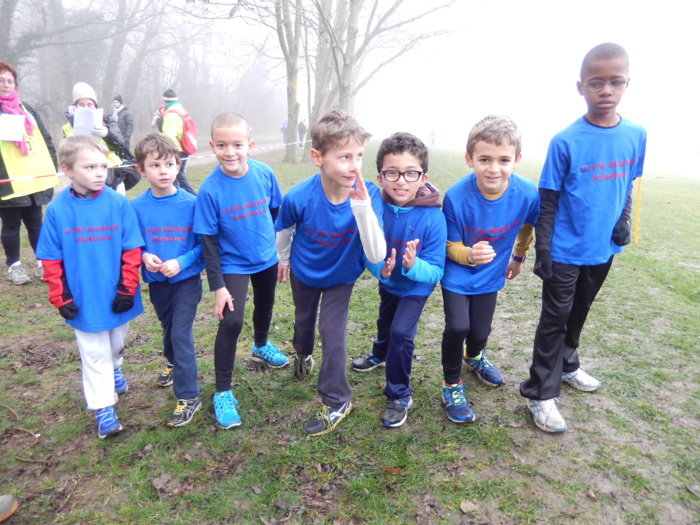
(585, 192)
(490, 213)
(415, 231)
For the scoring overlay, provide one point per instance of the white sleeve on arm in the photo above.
(284, 244)
(371, 235)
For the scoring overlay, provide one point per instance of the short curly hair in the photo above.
(336, 128)
(403, 142)
(495, 129)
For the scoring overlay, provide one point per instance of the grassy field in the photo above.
(630, 454)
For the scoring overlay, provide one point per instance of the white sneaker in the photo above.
(17, 275)
(581, 380)
(546, 415)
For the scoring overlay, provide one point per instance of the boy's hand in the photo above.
(68, 310)
(481, 253)
(222, 299)
(543, 264)
(621, 233)
(151, 262)
(282, 273)
(360, 192)
(409, 256)
(513, 269)
(170, 268)
(389, 265)
(122, 303)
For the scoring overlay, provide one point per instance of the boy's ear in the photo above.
(316, 157)
(67, 171)
(139, 169)
(518, 159)
(468, 158)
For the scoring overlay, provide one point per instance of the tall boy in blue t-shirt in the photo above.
(490, 214)
(335, 219)
(585, 192)
(415, 232)
(90, 247)
(234, 214)
(172, 263)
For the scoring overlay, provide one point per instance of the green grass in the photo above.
(630, 454)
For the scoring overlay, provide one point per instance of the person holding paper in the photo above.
(85, 117)
(27, 174)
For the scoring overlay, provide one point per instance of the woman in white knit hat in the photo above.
(122, 174)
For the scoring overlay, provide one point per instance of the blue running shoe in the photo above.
(269, 354)
(366, 362)
(120, 384)
(107, 422)
(226, 410)
(456, 404)
(484, 370)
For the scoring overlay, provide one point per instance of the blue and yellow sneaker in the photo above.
(120, 384)
(107, 422)
(456, 404)
(269, 354)
(484, 370)
(226, 410)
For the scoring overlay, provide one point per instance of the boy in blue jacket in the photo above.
(335, 220)
(90, 248)
(415, 233)
(490, 217)
(172, 263)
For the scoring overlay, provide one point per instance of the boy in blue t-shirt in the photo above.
(334, 218)
(586, 198)
(234, 213)
(490, 214)
(172, 263)
(415, 232)
(90, 247)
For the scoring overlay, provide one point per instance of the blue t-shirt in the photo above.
(89, 236)
(166, 227)
(592, 168)
(427, 224)
(326, 250)
(471, 218)
(238, 211)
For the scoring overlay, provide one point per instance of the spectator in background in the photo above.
(21, 200)
(172, 128)
(301, 129)
(124, 119)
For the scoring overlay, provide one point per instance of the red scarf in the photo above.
(11, 104)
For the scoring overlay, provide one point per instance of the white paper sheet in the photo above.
(11, 127)
(85, 119)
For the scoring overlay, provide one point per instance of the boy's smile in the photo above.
(401, 191)
(492, 164)
(89, 172)
(232, 145)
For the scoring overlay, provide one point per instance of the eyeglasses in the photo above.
(598, 85)
(408, 176)
(8, 81)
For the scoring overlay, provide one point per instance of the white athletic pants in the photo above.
(101, 353)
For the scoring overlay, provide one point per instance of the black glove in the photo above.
(543, 264)
(68, 310)
(621, 233)
(122, 303)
